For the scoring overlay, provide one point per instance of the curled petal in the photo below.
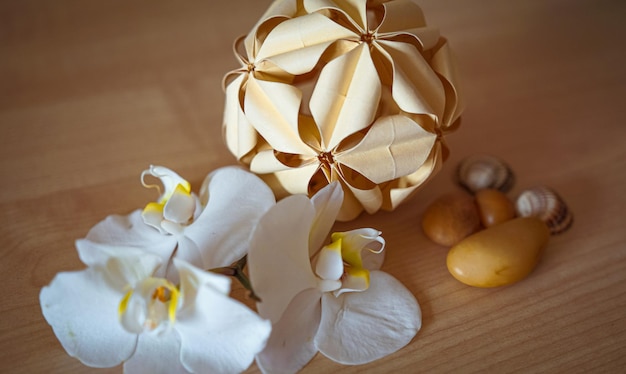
(278, 260)
(401, 15)
(169, 179)
(82, 308)
(223, 238)
(360, 327)
(240, 137)
(218, 334)
(443, 64)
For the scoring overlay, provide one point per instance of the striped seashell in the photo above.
(483, 171)
(547, 205)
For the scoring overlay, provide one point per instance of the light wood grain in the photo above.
(91, 92)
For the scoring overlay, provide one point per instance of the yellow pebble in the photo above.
(499, 255)
(451, 218)
(494, 207)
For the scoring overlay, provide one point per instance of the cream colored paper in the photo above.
(357, 92)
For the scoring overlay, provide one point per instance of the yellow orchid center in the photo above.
(148, 305)
(340, 267)
(174, 207)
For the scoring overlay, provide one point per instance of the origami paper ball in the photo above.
(358, 91)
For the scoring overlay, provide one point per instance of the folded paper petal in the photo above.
(442, 62)
(416, 88)
(354, 10)
(81, 307)
(357, 328)
(327, 203)
(344, 106)
(239, 135)
(275, 119)
(401, 15)
(397, 143)
(297, 44)
(290, 345)
(273, 257)
(404, 187)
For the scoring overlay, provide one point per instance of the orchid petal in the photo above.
(290, 345)
(131, 231)
(397, 143)
(360, 327)
(297, 44)
(124, 265)
(156, 354)
(223, 238)
(240, 137)
(344, 106)
(275, 120)
(82, 307)
(275, 258)
(327, 202)
(217, 333)
(180, 206)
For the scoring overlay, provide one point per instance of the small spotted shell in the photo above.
(547, 205)
(483, 171)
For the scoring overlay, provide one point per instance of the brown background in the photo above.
(92, 92)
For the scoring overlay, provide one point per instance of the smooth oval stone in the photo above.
(450, 218)
(500, 255)
(494, 207)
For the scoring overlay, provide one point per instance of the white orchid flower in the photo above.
(116, 311)
(325, 298)
(209, 231)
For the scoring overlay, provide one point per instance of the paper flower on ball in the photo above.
(209, 230)
(328, 298)
(117, 311)
(359, 92)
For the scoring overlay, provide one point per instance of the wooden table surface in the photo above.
(92, 92)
